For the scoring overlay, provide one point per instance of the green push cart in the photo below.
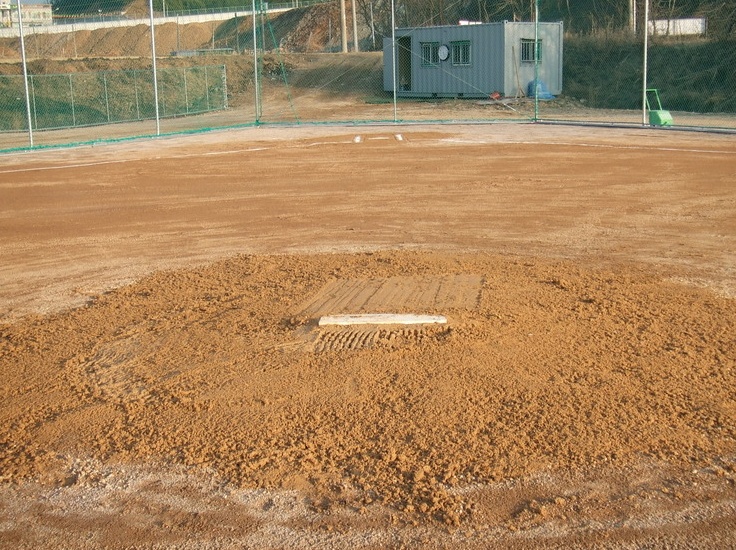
(658, 116)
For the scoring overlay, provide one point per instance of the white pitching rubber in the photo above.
(381, 319)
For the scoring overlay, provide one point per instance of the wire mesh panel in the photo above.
(309, 73)
(604, 81)
(12, 106)
(586, 94)
(188, 91)
(99, 100)
(91, 102)
(688, 55)
(696, 80)
(315, 62)
(304, 76)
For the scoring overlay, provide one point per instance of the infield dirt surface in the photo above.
(164, 382)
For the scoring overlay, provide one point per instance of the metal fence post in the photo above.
(137, 100)
(33, 103)
(536, 60)
(153, 59)
(645, 63)
(107, 98)
(186, 92)
(25, 72)
(255, 65)
(224, 87)
(394, 60)
(207, 87)
(71, 97)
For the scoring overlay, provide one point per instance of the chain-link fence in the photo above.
(691, 79)
(62, 101)
(292, 65)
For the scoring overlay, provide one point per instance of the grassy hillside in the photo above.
(697, 76)
(605, 71)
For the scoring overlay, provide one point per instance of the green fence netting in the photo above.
(59, 101)
(318, 64)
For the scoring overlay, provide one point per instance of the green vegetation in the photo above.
(694, 75)
(579, 16)
(88, 99)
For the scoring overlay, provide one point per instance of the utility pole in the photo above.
(355, 28)
(343, 27)
(632, 16)
(373, 28)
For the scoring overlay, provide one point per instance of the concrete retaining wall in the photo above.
(89, 26)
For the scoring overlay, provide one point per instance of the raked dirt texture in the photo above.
(165, 381)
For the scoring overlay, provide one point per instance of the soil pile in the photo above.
(314, 29)
(553, 368)
(581, 393)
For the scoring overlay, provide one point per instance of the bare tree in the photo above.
(721, 15)
(578, 15)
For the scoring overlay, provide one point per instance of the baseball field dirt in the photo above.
(165, 381)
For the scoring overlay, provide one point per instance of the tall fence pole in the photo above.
(71, 97)
(107, 97)
(207, 88)
(155, 73)
(34, 111)
(646, 61)
(137, 101)
(255, 64)
(394, 57)
(536, 60)
(25, 73)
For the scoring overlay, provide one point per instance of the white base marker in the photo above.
(381, 319)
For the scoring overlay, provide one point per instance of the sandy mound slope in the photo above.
(544, 369)
(164, 381)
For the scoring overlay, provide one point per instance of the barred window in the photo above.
(527, 50)
(460, 53)
(430, 55)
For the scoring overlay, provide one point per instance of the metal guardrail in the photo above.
(266, 7)
(92, 22)
(107, 17)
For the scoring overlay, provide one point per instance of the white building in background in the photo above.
(679, 27)
(34, 15)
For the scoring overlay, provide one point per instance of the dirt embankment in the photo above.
(597, 69)
(303, 30)
(287, 37)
